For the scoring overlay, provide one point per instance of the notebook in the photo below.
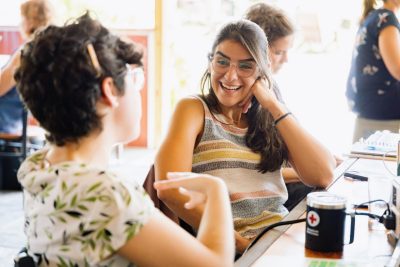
(380, 144)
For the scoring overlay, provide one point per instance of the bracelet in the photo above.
(281, 118)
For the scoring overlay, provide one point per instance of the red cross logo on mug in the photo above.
(312, 218)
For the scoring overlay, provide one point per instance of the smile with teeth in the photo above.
(231, 88)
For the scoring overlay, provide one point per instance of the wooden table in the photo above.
(284, 245)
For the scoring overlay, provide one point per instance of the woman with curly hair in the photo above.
(82, 84)
(239, 131)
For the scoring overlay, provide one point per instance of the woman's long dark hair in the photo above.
(262, 137)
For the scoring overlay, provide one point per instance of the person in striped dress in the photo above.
(237, 130)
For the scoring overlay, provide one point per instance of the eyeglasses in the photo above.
(137, 75)
(222, 65)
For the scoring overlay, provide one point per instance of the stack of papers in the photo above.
(380, 144)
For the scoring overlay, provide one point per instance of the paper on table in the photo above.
(377, 261)
(299, 261)
(378, 144)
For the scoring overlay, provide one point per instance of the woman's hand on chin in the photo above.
(246, 103)
(262, 90)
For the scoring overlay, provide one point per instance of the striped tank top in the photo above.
(256, 198)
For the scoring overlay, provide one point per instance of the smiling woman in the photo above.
(229, 132)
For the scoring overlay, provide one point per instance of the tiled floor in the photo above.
(134, 163)
(11, 226)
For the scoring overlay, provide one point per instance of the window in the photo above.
(315, 93)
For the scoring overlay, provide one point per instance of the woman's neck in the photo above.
(91, 150)
(232, 113)
(234, 117)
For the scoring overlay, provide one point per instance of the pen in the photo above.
(355, 176)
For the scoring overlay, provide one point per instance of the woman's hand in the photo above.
(196, 186)
(245, 104)
(215, 241)
(262, 90)
(241, 243)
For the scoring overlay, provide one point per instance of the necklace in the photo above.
(233, 122)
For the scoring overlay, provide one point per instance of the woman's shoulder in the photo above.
(191, 105)
(187, 118)
(192, 100)
(123, 194)
(380, 18)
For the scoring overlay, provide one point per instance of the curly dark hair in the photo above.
(273, 21)
(262, 137)
(59, 83)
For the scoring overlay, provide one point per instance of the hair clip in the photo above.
(94, 59)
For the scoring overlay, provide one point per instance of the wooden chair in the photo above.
(297, 191)
(158, 203)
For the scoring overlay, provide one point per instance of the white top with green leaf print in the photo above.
(78, 215)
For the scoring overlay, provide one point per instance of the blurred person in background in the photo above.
(279, 30)
(35, 15)
(373, 88)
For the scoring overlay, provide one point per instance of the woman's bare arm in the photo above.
(311, 160)
(7, 81)
(389, 48)
(162, 243)
(176, 153)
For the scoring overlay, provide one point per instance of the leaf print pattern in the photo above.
(37, 158)
(131, 229)
(353, 84)
(382, 19)
(376, 52)
(81, 214)
(370, 70)
(355, 53)
(381, 92)
(361, 36)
